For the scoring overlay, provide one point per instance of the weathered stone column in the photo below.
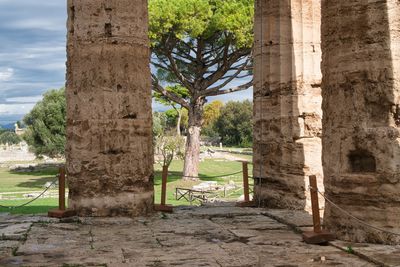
(287, 98)
(361, 104)
(109, 135)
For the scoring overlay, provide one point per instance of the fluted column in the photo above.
(109, 147)
(361, 104)
(287, 101)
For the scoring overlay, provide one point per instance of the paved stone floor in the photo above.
(203, 236)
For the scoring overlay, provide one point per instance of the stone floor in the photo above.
(204, 236)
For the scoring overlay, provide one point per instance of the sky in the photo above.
(33, 55)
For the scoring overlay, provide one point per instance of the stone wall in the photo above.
(361, 104)
(19, 152)
(287, 102)
(109, 133)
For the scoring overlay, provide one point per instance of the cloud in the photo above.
(6, 74)
(32, 54)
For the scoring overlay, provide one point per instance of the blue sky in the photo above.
(32, 55)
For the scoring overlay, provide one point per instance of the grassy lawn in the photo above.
(209, 168)
(42, 205)
(25, 181)
(34, 181)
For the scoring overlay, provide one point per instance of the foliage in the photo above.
(203, 46)
(21, 124)
(235, 125)
(159, 123)
(170, 147)
(212, 112)
(2, 130)
(350, 249)
(176, 89)
(202, 18)
(46, 125)
(172, 116)
(10, 138)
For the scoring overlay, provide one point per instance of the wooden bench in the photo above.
(192, 195)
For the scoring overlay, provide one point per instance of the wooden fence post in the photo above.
(163, 206)
(164, 185)
(61, 212)
(318, 235)
(61, 191)
(246, 190)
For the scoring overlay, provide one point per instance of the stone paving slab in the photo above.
(227, 237)
(298, 218)
(7, 247)
(388, 255)
(13, 231)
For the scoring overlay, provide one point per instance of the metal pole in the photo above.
(61, 191)
(164, 185)
(315, 204)
(246, 181)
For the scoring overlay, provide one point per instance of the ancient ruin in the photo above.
(361, 86)
(109, 147)
(109, 109)
(287, 102)
(360, 69)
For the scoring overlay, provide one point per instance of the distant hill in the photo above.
(7, 121)
(8, 126)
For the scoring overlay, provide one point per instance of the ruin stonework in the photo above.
(109, 148)
(361, 105)
(287, 102)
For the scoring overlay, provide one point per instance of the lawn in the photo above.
(210, 170)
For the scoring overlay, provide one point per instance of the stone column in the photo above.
(287, 101)
(361, 104)
(109, 133)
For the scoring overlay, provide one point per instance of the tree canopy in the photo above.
(8, 137)
(235, 125)
(46, 125)
(205, 47)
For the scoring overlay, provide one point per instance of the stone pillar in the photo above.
(361, 105)
(287, 101)
(109, 133)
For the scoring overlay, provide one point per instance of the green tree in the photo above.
(182, 93)
(46, 125)
(203, 46)
(212, 112)
(169, 146)
(235, 125)
(10, 138)
(159, 123)
(2, 130)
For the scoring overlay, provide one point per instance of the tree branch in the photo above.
(178, 74)
(232, 90)
(222, 70)
(171, 96)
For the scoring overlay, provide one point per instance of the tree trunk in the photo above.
(192, 152)
(178, 123)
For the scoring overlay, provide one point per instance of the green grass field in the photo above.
(17, 183)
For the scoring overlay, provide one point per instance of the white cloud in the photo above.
(15, 109)
(25, 99)
(37, 23)
(6, 74)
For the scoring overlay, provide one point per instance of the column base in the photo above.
(61, 213)
(318, 238)
(163, 208)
